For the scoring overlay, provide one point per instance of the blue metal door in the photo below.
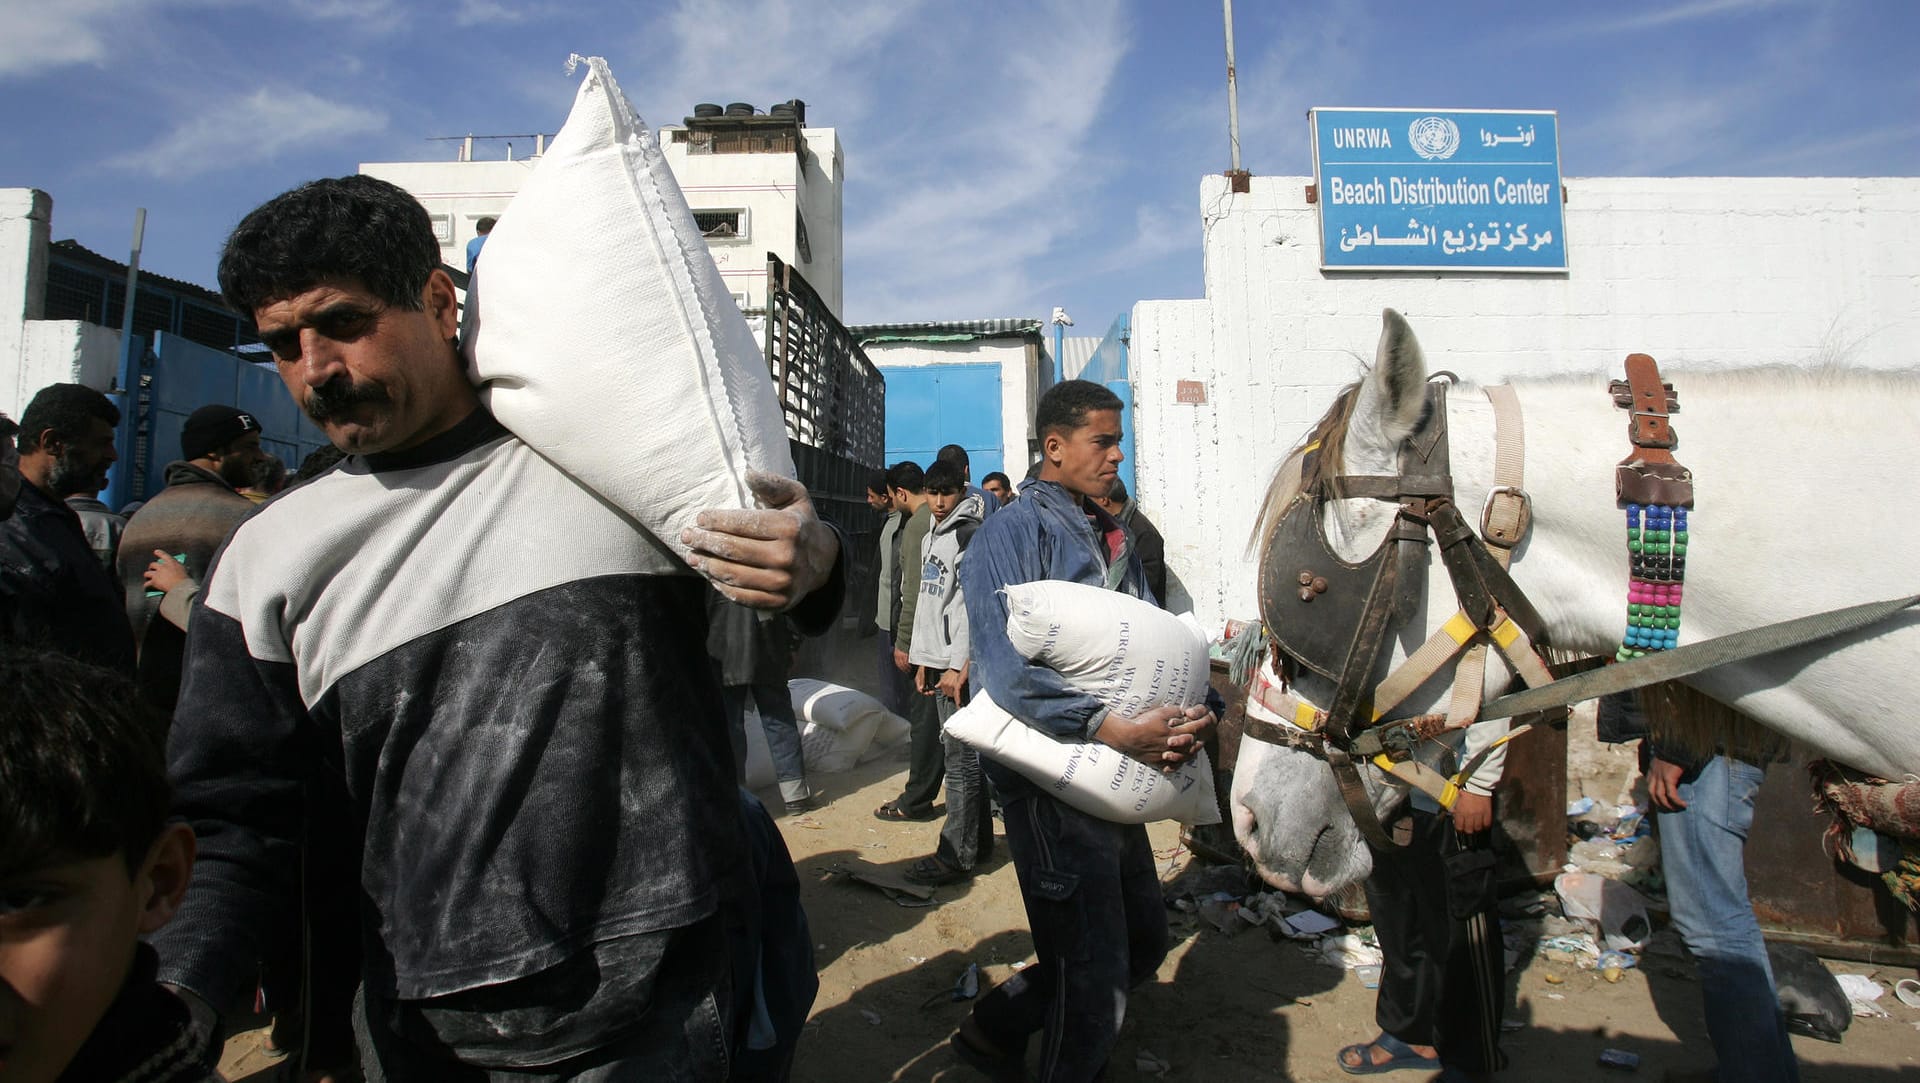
(185, 376)
(931, 406)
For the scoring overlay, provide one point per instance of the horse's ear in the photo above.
(1399, 378)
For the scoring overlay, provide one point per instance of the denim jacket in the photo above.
(1043, 535)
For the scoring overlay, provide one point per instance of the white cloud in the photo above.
(1667, 16)
(42, 35)
(966, 134)
(255, 128)
(497, 12)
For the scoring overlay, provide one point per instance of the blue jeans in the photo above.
(966, 839)
(772, 704)
(1701, 849)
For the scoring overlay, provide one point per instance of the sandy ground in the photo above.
(1223, 1008)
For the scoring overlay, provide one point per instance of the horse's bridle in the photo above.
(1329, 620)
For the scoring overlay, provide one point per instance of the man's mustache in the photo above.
(337, 396)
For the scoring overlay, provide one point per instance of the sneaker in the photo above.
(800, 805)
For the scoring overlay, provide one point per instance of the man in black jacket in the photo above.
(54, 592)
(504, 680)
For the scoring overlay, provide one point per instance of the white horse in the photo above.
(1803, 502)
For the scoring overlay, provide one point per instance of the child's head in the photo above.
(945, 484)
(87, 860)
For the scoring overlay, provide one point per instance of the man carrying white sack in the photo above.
(1091, 891)
(504, 679)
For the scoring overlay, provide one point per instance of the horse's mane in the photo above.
(1328, 437)
(1768, 377)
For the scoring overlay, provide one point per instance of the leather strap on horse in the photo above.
(1650, 475)
(1695, 657)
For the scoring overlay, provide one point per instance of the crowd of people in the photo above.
(418, 750)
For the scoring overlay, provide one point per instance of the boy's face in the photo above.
(1086, 460)
(67, 935)
(942, 502)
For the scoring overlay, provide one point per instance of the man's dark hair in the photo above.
(953, 453)
(908, 476)
(485, 224)
(66, 409)
(877, 482)
(1066, 405)
(318, 462)
(999, 477)
(357, 228)
(1117, 492)
(82, 775)
(270, 474)
(944, 476)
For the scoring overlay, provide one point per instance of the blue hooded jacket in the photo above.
(1045, 534)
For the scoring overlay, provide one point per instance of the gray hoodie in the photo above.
(940, 621)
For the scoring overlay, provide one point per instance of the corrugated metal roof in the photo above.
(953, 331)
(1075, 352)
(81, 254)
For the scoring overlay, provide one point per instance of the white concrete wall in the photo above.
(1699, 272)
(36, 352)
(464, 192)
(821, 176)
(1016, 395)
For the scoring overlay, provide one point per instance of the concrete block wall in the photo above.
(1700, 272)
(36, 352)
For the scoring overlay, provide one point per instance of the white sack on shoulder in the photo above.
(1096, 779)
(598, 329)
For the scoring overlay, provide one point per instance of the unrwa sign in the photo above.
(1438, 190)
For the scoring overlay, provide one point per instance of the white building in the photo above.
(1697, 271)
(35, 351)
(757, 183)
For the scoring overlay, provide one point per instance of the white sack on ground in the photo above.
(834, 706)
(894, 732)
(598, 329)
(1132, 656)
(837, 723)
(1096, 779)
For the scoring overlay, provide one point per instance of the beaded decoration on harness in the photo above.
(1657, 492)
(1657, 546)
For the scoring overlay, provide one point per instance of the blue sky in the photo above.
(1002, 158)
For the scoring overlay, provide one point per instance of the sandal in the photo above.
(893, 813)
(1402, 1056)
(935, 871)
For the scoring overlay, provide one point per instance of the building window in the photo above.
(725, 225)
(442, 227)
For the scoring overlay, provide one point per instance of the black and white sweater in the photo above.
(510, 676)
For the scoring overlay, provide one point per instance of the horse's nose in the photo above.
(1244, 822)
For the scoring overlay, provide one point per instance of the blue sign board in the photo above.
(1427, 190)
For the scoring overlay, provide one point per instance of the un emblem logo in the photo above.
(1434, 137)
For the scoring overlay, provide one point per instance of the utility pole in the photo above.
(1238, 176)
(127, 378)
